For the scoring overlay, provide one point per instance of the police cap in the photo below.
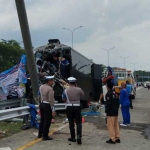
(49, 77)
(71, 79)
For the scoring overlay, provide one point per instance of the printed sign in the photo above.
(11, 79)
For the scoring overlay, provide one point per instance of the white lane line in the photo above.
(63, 126)
(6, 148)
(139, 88)
(35, 133)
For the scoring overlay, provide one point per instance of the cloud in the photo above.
(8, 17)
(106, 23)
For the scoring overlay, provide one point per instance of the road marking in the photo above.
(6, 148)
(34, 141)
(139, 88)
(63, 126)
(39, 139)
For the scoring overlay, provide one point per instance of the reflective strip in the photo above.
(45, 102)
(73, 104)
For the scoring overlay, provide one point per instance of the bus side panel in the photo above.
(84, 82)
(81, 69)
(96, 71)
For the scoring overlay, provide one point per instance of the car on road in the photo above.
(139, 83)
(146, 84)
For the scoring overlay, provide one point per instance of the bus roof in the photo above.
(57, 47)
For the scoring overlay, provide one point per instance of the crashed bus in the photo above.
(88, 74)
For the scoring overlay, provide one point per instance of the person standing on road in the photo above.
(112, 107)
(72, 96)
(109, 79)
(47, 109)
(129, 88)
(125, 105)
(101, 98)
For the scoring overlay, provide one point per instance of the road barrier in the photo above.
(24, 111)
(12, 103)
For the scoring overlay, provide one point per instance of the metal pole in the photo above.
(108, 52)
(124, 63)
(108, 57)
(142, 76)
(20, 5)
(72, 31)
(72, 40)
(124, 58)
(134, 68)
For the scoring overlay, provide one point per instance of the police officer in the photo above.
(112, 107)
(46, 108)
(72, 96)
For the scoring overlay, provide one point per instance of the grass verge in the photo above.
(9, 128)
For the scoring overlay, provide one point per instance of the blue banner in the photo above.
(11, 79)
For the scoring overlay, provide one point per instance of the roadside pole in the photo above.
(20, 5)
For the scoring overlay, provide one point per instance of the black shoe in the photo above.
(79, 140)
(46, 138)
(110, 142)
(118, 141)
(72, 139)
(39, 136)
(131, 107)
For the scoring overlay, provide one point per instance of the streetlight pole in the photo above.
(124, 60)
(134, 67)
(108, 52)
(72, 31)
(142, 72)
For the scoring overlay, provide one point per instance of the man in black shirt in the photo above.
(112, 107)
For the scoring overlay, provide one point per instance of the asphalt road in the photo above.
(95, 134)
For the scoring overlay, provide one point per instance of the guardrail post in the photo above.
(21, 102)
(26, 117)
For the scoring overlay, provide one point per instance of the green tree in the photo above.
(10, 53)
(142, 75)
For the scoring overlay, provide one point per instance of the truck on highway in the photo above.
(123, 75)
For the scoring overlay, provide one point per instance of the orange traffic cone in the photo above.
(83, 119)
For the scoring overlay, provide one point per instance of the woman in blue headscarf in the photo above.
(125, 105)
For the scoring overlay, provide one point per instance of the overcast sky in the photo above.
(123, 24)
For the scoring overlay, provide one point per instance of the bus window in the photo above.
(81, 64)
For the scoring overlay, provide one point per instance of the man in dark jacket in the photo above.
(112, 107)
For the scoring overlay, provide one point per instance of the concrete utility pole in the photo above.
(20, 5)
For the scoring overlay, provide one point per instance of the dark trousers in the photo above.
(59, 99)
(130, 98)
(125, 114)
(74, 115)
(46, 117)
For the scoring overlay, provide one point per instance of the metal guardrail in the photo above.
(60, 106)
(12, 103)
(23, 111)
(14, 112)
